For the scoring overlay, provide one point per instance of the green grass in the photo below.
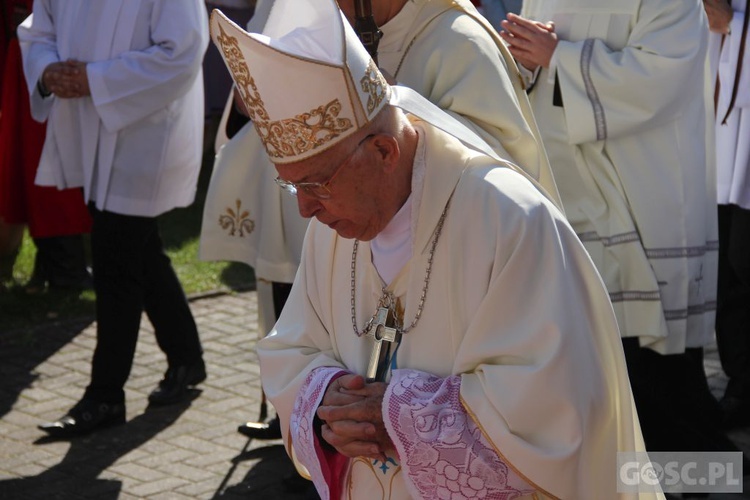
(180, 230)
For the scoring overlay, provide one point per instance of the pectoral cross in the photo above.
(381, 331)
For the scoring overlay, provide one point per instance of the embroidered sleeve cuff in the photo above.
(320, 460)
(414, 398)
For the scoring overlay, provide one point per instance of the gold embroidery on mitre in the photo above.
(373, 84)
(290, 136)
(238, 220)
(241, 74)
(298, 135)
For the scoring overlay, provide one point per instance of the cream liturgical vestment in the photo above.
(630, 141)
(106, 142)
(442, 49)
(513, 381)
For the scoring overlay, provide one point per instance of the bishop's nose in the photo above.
(308, 205)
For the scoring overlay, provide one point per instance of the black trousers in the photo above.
(675, 406)
(733, 301)
(132, 274)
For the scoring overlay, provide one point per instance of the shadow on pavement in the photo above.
(22, 352)
(262, 481)
(76, 476)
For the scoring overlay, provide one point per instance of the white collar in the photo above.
(392, 247)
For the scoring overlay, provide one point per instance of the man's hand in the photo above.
(532, 43)
(66, 79)
(353, 420)
(719, 14)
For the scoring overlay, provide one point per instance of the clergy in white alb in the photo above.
(444, 50)
(128, 151)
(506, 376)
(121, 89)
(624, 112)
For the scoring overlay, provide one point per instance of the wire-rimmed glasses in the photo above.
(319, 190)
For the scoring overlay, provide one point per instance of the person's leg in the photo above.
(117, 247)
(733, 313)
(174, 326)
(277, 293)
(675, 407)
(168, 309)
(60, 263)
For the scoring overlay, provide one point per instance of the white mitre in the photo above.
(308, 82)
(305, 88)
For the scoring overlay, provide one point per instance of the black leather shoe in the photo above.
(86, 416)
(174, 386)
(261, 430)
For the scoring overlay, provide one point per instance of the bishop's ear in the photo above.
(386, 147)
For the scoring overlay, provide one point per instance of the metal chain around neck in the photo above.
(387, 299)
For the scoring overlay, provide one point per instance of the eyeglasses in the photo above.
(319, 190)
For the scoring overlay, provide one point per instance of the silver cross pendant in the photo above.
(379, 333)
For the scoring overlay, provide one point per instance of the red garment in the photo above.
(47, 210)
(11, 12)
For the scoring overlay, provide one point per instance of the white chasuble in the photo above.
(512, 382)
(630, 143)
(439, 48)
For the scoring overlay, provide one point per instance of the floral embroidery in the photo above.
(294, 136)
(375, 85)
(288, 137)
(237, 221)
(448, 456)
(241, 74)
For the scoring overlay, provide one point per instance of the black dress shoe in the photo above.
(86, 416)
(261, 430)
(174, 386)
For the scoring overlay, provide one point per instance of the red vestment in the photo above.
(47, 210)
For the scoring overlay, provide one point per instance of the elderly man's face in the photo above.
(356, 206)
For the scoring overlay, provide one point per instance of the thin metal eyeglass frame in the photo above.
(319, 190)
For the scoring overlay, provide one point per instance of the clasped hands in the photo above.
(531, 43)
(66, 79)
(351, 411)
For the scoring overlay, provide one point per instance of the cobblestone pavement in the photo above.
(177, 452)
(180, 452)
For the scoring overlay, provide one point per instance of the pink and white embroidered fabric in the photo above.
(442, 450)
(304, 440)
